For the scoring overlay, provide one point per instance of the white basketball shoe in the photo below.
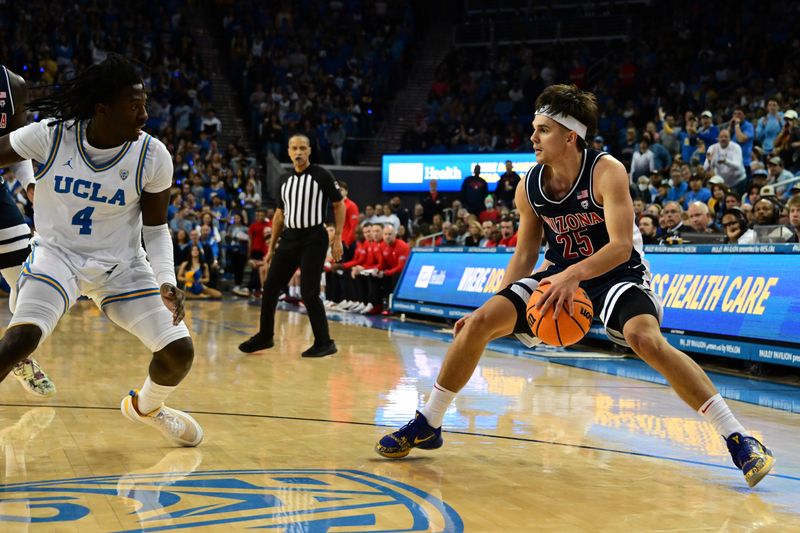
(33, 379)
(175, 425)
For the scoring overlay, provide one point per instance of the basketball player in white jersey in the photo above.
(103, 187)
(14, 232)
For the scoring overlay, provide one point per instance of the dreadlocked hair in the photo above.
(75, 99)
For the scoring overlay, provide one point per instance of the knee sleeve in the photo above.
(148, 319)
(38, 308)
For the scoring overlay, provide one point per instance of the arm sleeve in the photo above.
(329, 186)
(33, 141)
(158, 243)
(159, 178)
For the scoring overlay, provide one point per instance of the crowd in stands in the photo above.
(325, 68)
(709, 157)
(705, 113)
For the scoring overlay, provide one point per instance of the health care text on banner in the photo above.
(741, 305)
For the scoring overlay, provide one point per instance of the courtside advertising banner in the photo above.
(413, 172)
(732, 302)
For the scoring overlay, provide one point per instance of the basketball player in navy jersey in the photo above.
(579, 197)
(14, 232)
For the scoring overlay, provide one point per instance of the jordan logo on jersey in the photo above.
(87, 190)
(572, 222)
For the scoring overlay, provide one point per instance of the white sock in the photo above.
(437, 404)
(719, 415)
(152, 395)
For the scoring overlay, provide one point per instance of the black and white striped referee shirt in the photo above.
(304, 197)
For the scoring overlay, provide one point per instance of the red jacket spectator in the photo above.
(350, 221)
(373, 259)
(359, 256)
(394, 256)
(489, 214)
(511, 241)
(256, 233)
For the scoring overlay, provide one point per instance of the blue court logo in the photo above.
(307, 500)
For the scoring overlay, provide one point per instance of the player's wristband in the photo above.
(158, 243)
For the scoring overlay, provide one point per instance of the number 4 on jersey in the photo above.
(83, 218)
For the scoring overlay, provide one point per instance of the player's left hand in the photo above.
(336, 250)
(174, 298)
(560, 290)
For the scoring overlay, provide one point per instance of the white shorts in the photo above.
(128, 295)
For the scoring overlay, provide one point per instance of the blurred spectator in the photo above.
(793, 205)
(336, 137)
(776, 174)
(787, 143)
(642, 190)
(195, 274)
(490, 212)
(680, 185)
(258, 244)
(509, 236)
(735, 225)
(599, 144)
(661, 156)
(474, 234)
(393, 254)
(769, 126)
(671, 221)
(688, 136)
(725, 159)
(433, 202)
(648, 227)
(643, 161)
(399, 211)
(766, 215)
(473, 192)
(450, 236)
(696, 192)
(700, 219)
(350, 223)
(237, 239)
(488, 229)
(507, 186)
(210, 123)
(743, 134)
(708, 131)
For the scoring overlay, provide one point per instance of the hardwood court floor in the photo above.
(531, 445)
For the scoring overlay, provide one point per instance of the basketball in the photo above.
(567, 329)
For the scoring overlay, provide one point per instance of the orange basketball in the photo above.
(567, 329)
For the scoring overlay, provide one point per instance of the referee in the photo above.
(304, 196)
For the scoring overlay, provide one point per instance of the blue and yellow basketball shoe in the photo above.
(754, 459)
(416, 434)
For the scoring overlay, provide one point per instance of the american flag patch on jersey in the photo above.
(583, 194)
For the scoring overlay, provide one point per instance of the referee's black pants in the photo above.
(304, 248)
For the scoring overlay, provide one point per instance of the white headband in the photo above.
(568, 121)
